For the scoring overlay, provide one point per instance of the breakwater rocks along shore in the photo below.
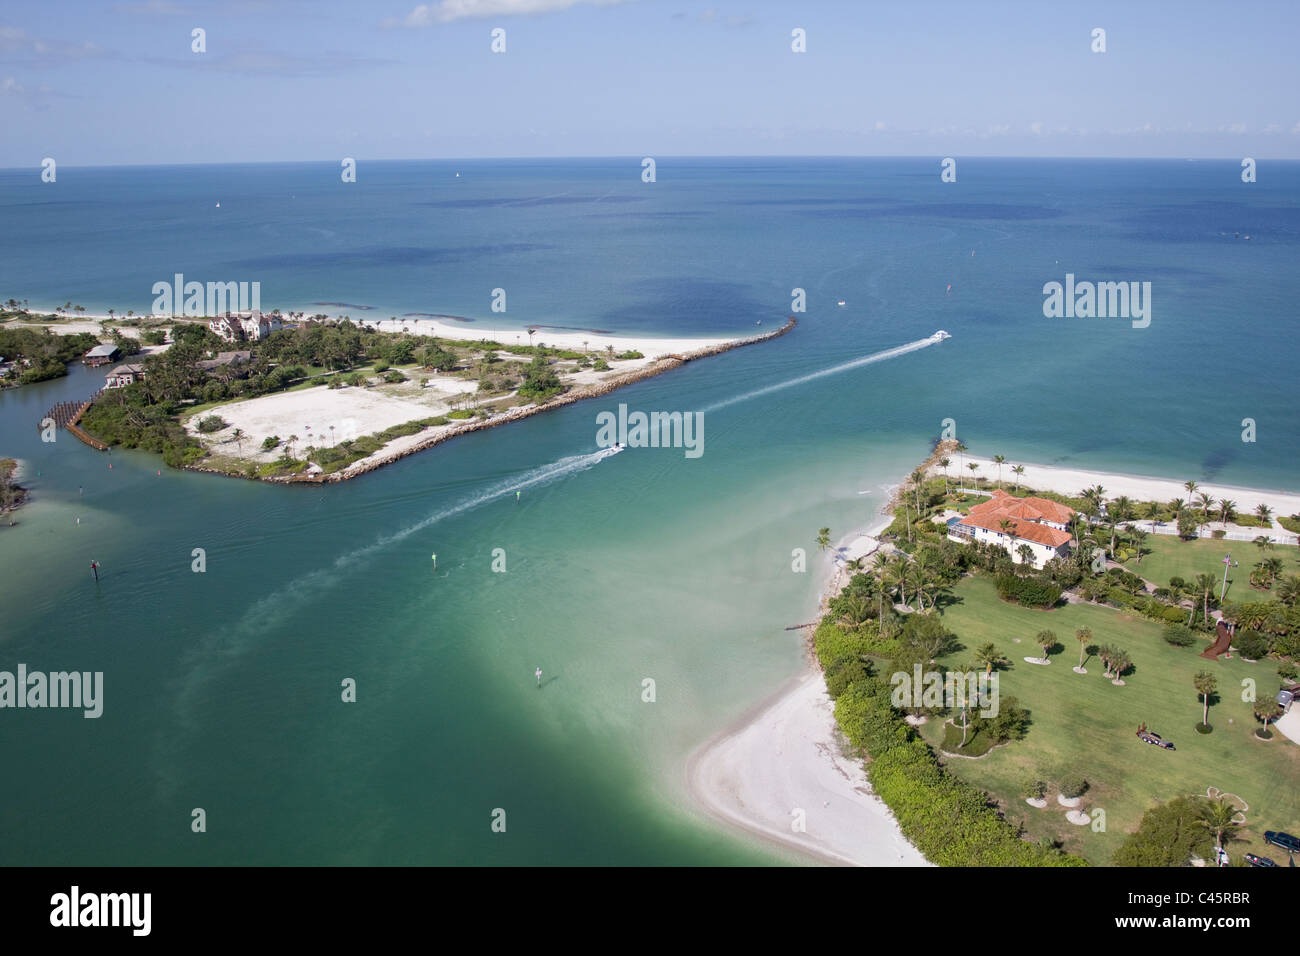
(663, 364)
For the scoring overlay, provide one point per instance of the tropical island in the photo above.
(1110, 623)
(1133, 613)
(292, 399)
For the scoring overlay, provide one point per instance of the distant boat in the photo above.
(840, 303)
(940, 336)
(218, 205)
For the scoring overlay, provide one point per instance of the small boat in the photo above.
(840, 303)
(940, 336)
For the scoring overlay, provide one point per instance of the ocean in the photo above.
(222, 689)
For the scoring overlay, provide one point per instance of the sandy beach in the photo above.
(786, 758)
(506, 332)
(1070, 481)
(651, 346)
(786, 754)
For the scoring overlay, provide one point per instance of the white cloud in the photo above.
(449, 11)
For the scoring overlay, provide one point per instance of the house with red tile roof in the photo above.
(1010, 522)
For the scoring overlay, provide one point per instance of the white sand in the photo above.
(786, 754)
(506, 333)
(651, 346)
(1071, 481)
(787, 758)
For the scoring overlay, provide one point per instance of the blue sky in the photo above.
(110, 83)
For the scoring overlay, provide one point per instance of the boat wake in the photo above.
(833, 370)
(223, 647)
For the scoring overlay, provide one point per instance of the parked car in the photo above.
(1285, 840)
(1254, 860)
(1288, 694)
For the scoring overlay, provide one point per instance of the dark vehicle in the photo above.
(1254, 860)
(1150, 738)
(1285, 840)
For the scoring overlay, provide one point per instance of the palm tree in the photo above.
(1191, 487)
(823, 539)
(1220, 818)
(1273, 568)
(288, 446)
(1106, 653)
(1120, 662)
(974, 467)
(988, 656)
(918, 479)
(944, 463)
(1206, 684)
(999, 460)
(1263, 542)
(1083, 635)
(1046, 640)
(1227, 510)
(1288, 592)
(1018, 471)
(1153, 512)
(238, 435)
(1265, 514)
(1139, 539)
(1026, 554)
(1205, 588)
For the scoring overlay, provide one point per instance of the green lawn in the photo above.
(1170, 556)
(1086, 724)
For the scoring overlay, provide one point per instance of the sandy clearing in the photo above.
(309, 413)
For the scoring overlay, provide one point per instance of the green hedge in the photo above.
(1031, 592)
(948, 820)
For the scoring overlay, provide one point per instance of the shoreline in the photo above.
(1070, 481)
(667, 355)
(786, 752)
(402, 449)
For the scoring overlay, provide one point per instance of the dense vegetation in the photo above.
(48, 353)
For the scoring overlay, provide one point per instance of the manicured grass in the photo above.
(1083, 723)
(1170, 556)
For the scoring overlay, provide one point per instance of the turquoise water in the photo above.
(223, 688)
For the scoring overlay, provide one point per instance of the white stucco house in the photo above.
(1011, 522)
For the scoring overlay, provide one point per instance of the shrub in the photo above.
(1028, 591)
(1033, 787)
(211, 423)
(1252, 644)
(630, 354)
(394, 376)
(269, 442)
(1072, 785)
(843, 673)
(1218, 533)
(1169, 835)
(381, 367)
(1186, 526)
(600, 365)
(1179, 635)
(1287, 671)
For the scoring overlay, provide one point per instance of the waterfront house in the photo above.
(102, 355)
(124, 375)
(1011, 522)
(251, 326)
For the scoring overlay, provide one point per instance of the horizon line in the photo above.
(675, 156)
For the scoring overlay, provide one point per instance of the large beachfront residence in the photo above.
(1011, 522)
(252, 326)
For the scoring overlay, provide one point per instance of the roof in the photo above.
(128, 370)
(1023, 515)
(1004, 505)
(1025, 530)
(102, 351)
